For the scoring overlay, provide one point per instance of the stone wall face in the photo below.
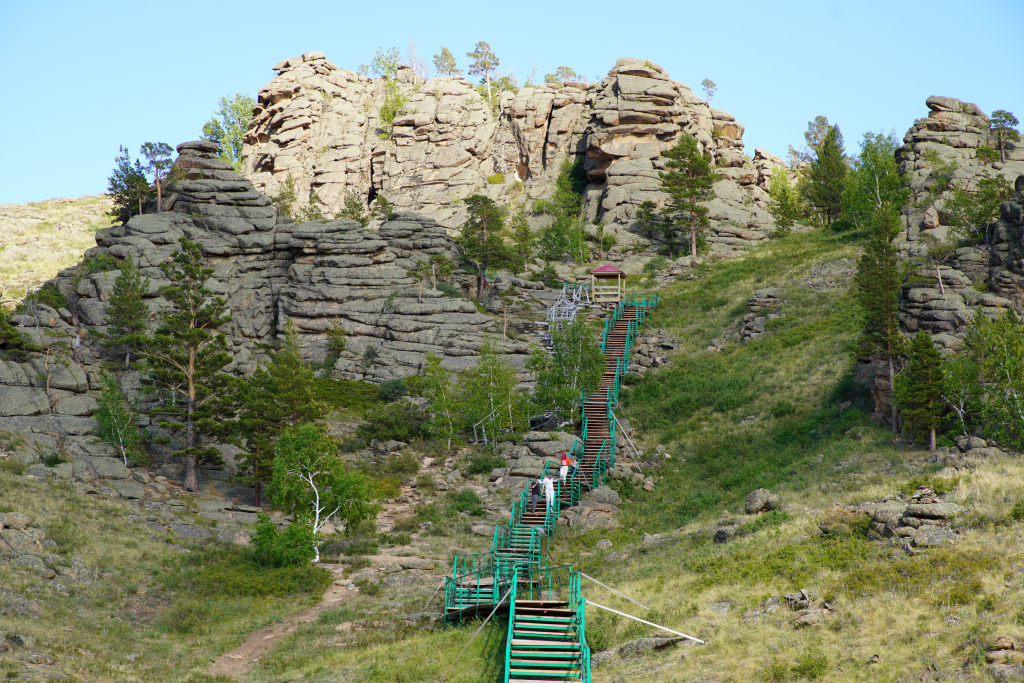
(321, 125)
(313, 274)
(953, 130)
(271, 273)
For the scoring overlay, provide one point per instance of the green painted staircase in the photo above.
(546, 640)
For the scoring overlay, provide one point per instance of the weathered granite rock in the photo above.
(322, 126)
(952, 131)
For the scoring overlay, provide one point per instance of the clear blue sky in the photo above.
(85, 77)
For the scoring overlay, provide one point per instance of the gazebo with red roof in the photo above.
(608, 284)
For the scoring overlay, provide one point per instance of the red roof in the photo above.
(607, 269)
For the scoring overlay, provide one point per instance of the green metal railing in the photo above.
(511, 622)
(481, 579)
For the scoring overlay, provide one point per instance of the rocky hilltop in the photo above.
(322, 126)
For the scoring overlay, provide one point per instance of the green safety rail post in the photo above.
(578, 604)
(513, 590)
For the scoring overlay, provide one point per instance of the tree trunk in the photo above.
(931, 439)
(159, 195)
(892, 397)
(480, 281)
(191, 480)
(256, 493)
(693, 241)
(938, 274)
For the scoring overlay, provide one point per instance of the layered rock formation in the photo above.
(323, 127)
(953, 131)
(270, 272)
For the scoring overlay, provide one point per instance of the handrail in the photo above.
(513, 590)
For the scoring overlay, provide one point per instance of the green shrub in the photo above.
(273, 548)
(483, 463)
(100, 263)
(776, 672)
(448, 290)
(47, 295)
(343, 393)
(401, 464)
(351, 444)
(463, 501)
(812, 665)
(1017, 511)
(397, 539)
(401, 421)
(392, 390)
(187, 617)
(368, 587)
(988, 603)
(235, 572)
(496, 179)
(939, 485)
(11, 466)
(782, 408)
(425, 483)
(656, 264)
(772, 518)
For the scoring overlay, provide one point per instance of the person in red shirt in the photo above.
(564, 469)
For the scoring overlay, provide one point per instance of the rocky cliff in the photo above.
(323, 127)
(271, 272)
(952, 132)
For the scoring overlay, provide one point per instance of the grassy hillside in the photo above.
(40, 238)
(780, 412)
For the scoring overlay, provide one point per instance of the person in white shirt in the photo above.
(549, 490)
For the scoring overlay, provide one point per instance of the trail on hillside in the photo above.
(244, 658)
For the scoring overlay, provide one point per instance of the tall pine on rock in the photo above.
(481, 238)
(878, 293)
(919, 389)
(187, 355)
(127, 313)
(828, 176)
(689, 183)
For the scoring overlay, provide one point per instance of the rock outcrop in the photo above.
(323, 127)
(271, 272)
(953, 131)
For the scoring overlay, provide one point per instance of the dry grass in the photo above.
(39, 239)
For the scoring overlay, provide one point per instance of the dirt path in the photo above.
(244, 658)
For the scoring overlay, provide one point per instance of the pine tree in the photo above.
(274, 397)
(919, 389)
(689, 182)
(828, 176)
(1003, 126)
(187, 355)
(481, 238)
(484, 63)
(445, 63)
(128, 187)
(878, 292)
(709, 88)
(354, 209)
(127, 312)
(522, 239)
(159, 156)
